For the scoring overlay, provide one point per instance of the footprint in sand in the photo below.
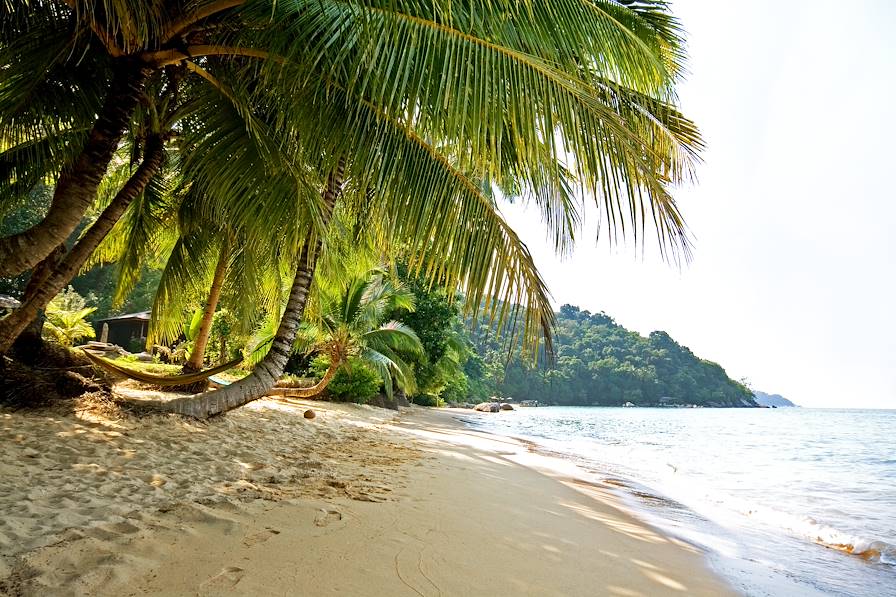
(325, 517)
(226, 579)
(260, 537)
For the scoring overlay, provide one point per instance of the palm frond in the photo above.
(36, 160)
(390, 366)
(394, 336)
(411, 71)
(184, 280)
(145, 235)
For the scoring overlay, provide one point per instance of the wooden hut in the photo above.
(124, 328)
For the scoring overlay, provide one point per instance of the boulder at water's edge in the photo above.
(488, 407)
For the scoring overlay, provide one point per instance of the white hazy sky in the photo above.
(792, 284)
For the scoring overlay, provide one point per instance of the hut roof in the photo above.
(141, 316)
(7, 302)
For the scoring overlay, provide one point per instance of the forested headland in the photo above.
(599, 362)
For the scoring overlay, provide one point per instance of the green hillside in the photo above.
(599, 362)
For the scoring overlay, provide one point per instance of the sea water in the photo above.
(785, 501)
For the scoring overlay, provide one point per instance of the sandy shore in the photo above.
(358, 501)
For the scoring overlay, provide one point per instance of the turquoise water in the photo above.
(785, 501)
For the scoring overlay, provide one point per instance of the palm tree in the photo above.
(271, 367)
(182, 111)
(611, 63)
(67, 327)
(87, 65)
(348, 324)
(197, 355)
(401, 107)
(599, 99)
(148, 153)
(66, 319)
(79, 77)
(203, 255)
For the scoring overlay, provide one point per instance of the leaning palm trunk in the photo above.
(309, 392)
(77, 186)
(194, 363)
(16, 322)
(266, 373)
(29, 343)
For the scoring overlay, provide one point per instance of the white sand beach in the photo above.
(357, 501)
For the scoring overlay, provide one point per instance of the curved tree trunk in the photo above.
(16, 322)
(77, 185)
(194, 363)
(30, 343)
(312, 391)
(266, 373)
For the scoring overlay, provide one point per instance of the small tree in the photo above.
(66, 318)
(349, 329)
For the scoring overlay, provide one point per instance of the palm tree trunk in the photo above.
(266, 373)
(29, 344)
(194, 363)
(314, 390)
(77, 185)
(16, 322)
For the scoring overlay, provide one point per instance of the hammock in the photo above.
(159, 380)
(217, 382)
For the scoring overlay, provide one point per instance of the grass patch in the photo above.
(151, 368)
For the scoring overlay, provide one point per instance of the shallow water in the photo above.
(786, 501)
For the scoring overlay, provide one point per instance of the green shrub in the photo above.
(299, 364)
(457, 389)
(136, 345)
(353, 382)
(427, 400)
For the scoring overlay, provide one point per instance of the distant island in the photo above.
(776, 400)
(600, 363)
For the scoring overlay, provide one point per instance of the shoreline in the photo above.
(359, 501)
(761, 539)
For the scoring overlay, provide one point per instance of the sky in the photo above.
(792, 283)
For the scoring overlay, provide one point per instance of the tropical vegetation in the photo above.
(67, 319)
(231, 146)
(599, 362)
(349, 328)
